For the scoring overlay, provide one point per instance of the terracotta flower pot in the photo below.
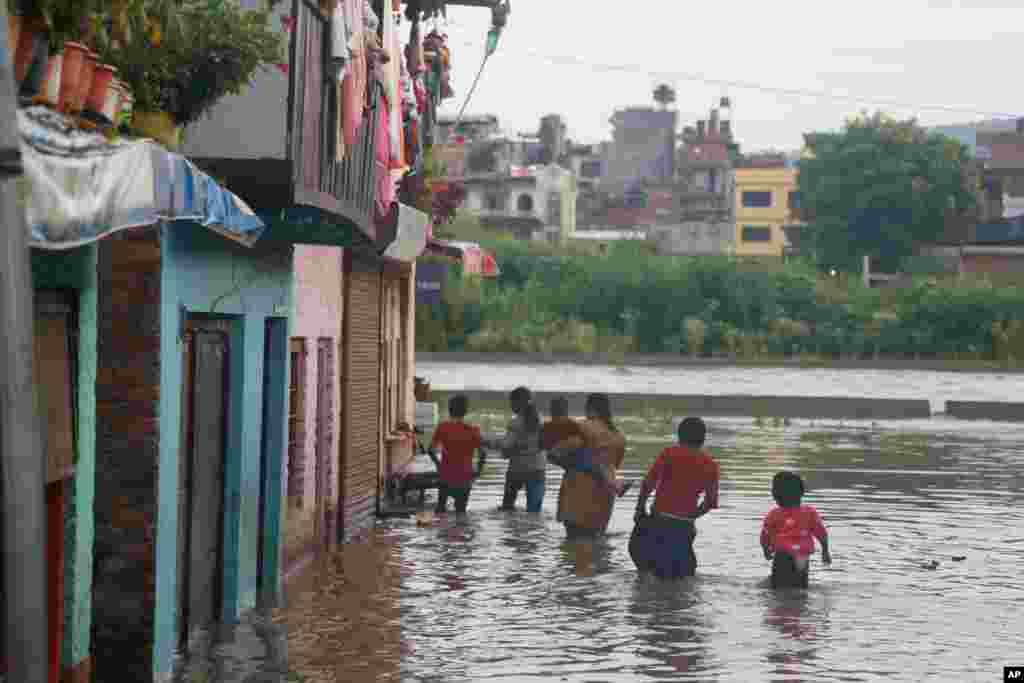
(71, 74)
(85, 80)
(51, 82)
(101, 81)
(157, 125)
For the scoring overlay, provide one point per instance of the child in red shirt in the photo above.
(788, 533)
(457, 441)
(686, 479)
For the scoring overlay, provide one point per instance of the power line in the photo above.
(750, 85)
(458, 119)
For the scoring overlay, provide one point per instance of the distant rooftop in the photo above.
(478, 119)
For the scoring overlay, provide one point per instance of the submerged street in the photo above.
(504, 597)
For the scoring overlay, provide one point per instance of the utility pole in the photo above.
(22, 467)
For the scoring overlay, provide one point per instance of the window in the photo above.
(524, 203)
(757, 233)
(492, 202)
(757, 200)
(794, 200)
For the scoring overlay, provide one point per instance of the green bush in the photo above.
(630, 301)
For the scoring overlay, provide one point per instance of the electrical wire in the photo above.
(750, 85)
(472, 89)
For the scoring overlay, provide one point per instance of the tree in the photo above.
(879, 187)
(664, 95)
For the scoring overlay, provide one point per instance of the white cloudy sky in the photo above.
(947, 53)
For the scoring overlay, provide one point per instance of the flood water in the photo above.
(937, 387)
(504, 597)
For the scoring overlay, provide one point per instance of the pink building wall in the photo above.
(318, 308)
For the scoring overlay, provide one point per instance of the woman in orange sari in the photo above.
(584, 503)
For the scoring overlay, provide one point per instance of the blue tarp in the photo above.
(79, 187)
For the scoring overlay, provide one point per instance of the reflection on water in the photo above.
(505, 597)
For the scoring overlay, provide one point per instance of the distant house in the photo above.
(702, 217)
(642, 147)
(537, 203)
(767, 201)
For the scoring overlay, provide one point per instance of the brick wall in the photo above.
(127, 450)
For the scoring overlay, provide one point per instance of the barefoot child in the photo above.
(561, 427)
(788, 533)
(457, 440)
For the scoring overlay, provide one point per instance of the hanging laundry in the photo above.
(372, 21)
(341, 40)
(355, 82)
(393, 89)
(341, 56)
(385, 188)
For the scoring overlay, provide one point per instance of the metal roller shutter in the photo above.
(361, 403)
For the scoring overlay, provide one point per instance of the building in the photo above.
(191, 408)
(642, 148)
(185, 341)
(470, 128)
(314, 382)
(552, 135)
(767, 202)
(987, 239)
(703, 189)
(99, 388)
(539, 203)
(309, 441)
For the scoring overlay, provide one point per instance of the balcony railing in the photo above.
(343, 187)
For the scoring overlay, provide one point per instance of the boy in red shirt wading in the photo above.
(457, 441)
(788, 533)
(662, 542)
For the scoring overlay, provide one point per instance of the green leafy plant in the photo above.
(183, 58)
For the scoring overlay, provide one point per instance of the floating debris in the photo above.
(425, 518)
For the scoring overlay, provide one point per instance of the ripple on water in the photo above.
(504, 597)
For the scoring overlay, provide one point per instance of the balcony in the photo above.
(274, 146)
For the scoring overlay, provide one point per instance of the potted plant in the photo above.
(179, 60)
(43, 28)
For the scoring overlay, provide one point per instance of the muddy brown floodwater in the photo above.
(503, 597)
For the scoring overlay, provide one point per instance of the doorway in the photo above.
(201, 474)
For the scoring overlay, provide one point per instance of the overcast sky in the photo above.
(948, 53)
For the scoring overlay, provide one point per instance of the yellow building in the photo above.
(766, 201)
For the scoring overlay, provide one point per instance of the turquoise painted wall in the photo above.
(76, 269)
(207, 273)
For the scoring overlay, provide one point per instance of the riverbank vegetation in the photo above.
(629, 300)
